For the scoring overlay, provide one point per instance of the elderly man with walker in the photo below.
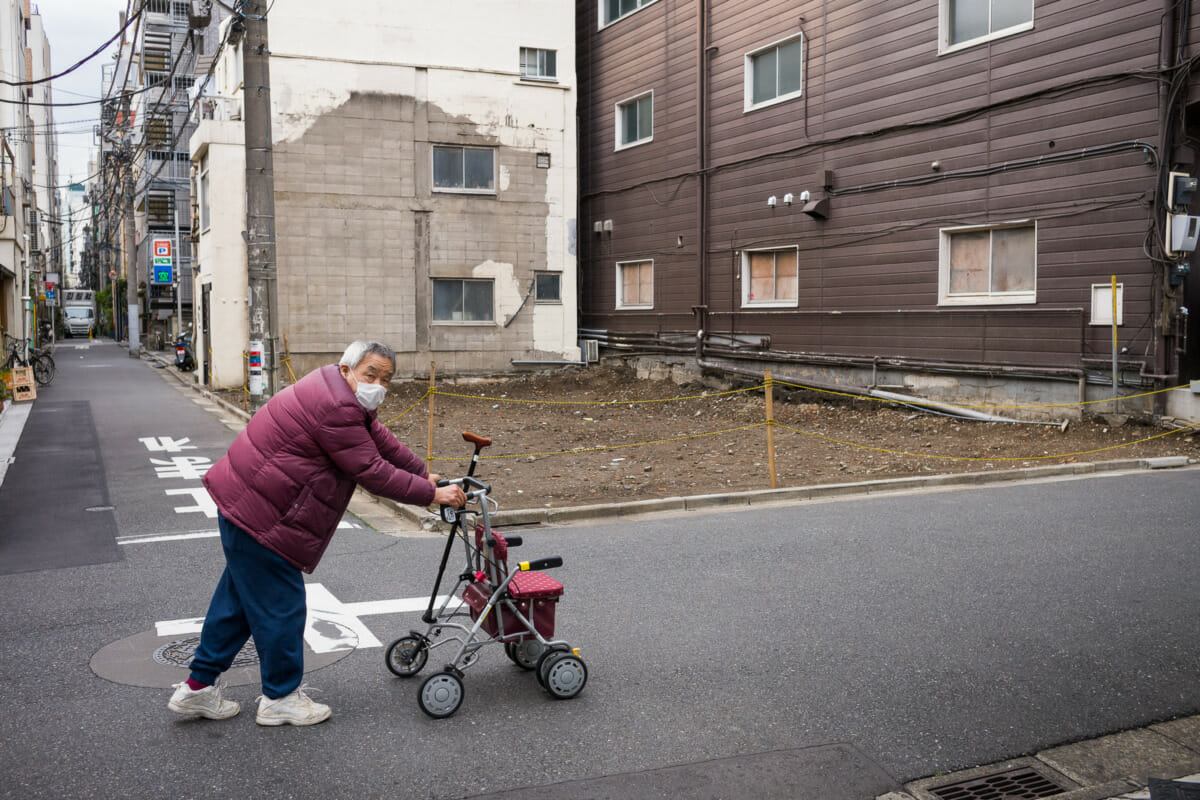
(280, 491)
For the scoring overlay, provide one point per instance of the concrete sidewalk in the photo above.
(1114, 767)
(13, 416)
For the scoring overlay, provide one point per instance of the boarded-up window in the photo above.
(635, 284)
(989, 265)
(770, 276)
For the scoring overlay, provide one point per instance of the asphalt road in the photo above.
(825, 649)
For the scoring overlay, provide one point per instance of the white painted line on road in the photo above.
(148, 538)
(399, 606)
(323, 606)
(179, 627)
(167, 537)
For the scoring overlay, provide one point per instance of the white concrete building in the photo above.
(16, 168)
(425, 185)
(45, 239)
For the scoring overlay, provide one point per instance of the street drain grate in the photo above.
(1023, 783)
(179, 653)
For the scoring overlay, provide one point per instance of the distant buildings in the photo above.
(30, 253)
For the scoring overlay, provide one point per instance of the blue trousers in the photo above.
(259, 595)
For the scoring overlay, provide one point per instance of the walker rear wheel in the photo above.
(406, 656)
(526, 654)
(441, 694)
(566, 675)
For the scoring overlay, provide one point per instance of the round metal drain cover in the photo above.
(179, 653)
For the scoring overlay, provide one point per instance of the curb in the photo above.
(547, 516)
(1111, 767)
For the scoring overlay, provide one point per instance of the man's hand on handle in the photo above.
(450, 495)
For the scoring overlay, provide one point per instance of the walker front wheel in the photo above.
(406, 656)
(566, 676)
(441, 695)
(543, 662)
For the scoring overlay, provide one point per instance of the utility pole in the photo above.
(261, 267)
(131, 277)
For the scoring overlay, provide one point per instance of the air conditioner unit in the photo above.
(591, 350)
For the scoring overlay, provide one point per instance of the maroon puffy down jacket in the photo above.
(288, 477)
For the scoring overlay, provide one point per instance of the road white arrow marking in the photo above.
(323, 606)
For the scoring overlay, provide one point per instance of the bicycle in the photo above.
(41, 360)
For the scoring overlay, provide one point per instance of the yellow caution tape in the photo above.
(973, 458)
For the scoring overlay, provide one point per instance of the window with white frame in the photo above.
(613, 10)
(635, 284)
(635, 120)
(968, 22)
(988, 265)
(464, 169)
(548, 287)
(539, 65)
(204, 193)
(775, 73)
(463, 300)
(770, 278)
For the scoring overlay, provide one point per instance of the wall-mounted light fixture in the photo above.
(772, 201)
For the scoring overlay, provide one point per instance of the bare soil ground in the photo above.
(579, 447)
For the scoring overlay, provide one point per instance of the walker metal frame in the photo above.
(510, 607)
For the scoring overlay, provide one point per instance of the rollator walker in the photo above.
(490, 604)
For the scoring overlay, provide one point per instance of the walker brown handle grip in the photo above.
(478, 441)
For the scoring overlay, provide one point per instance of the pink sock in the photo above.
(196, 685)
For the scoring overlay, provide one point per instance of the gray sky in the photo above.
(75, 28)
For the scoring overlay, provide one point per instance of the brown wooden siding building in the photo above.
(952, 193)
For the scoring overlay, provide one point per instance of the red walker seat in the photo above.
(534, 586)
(535, 594)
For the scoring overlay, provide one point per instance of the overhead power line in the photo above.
(80, 62)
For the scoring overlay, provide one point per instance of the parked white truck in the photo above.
(79, 312)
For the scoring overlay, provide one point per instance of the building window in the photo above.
(613, 10)
(538, 65)
(464, 169)
(968, 22)
(775, 73)
(635, 284)
(635, 121)
(770, 277)
(549, 287)
(462, 300)
(988, 265)
(204, 198)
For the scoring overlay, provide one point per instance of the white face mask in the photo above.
(370, 395)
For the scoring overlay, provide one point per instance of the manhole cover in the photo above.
(1023, 783)
(179, 653)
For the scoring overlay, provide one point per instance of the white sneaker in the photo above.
(205, 702)
(294, 709)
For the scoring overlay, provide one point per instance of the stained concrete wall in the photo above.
(360, 94)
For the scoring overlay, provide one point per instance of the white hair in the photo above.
(357, 351)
